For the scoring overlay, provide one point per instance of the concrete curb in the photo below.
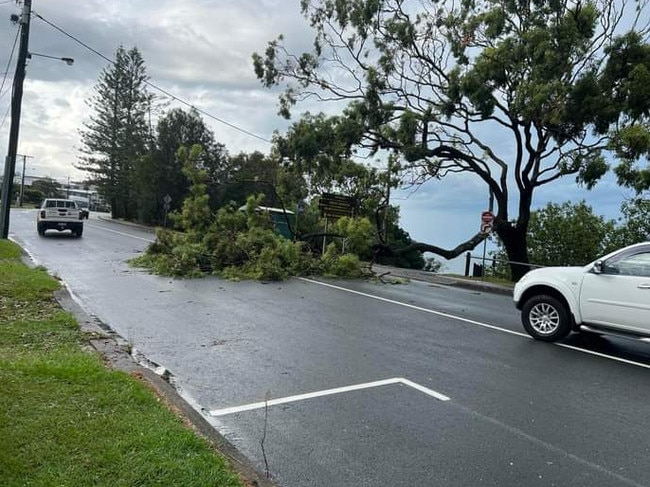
(442, 280)
(105, 217)
(113, 350)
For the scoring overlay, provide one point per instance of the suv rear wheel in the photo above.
(546, 318)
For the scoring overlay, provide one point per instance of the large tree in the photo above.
(481, 86)
(160, 172)
(118, 132)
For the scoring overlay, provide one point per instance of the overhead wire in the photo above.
(11, 56)
(4, 78)
(153, 85)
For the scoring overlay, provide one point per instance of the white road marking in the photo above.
(603, 355)
(327, 392)
(122, 233)
(476, 323)
(419, 308)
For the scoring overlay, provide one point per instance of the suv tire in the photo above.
(546, 318)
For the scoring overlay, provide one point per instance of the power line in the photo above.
(156, 87)
(5, 117)
(11, 56)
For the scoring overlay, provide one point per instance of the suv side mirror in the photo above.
(598, 267)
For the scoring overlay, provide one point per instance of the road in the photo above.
(349, 383)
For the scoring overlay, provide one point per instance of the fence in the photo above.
(497, 268)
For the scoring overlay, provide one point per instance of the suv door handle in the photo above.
(644, 286)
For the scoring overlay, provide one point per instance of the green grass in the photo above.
(67, 420)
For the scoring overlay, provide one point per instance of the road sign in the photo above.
(167, 199)
(336, 205)
(486, 228)
(487, 222)
(487, 217)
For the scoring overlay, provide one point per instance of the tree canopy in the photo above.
(118, 131)
(505, 90)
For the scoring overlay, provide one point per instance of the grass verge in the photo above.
(67, 420)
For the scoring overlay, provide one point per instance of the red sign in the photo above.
(487, 217)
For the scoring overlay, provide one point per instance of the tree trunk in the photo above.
(514, 241)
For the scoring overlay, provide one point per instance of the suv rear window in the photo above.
(60, 204)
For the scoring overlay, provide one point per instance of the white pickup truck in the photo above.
(59, 214)
(609, 296)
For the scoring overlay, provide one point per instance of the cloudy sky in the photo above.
(200, 50)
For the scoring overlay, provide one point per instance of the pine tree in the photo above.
(118, 132)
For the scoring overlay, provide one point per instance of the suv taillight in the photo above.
(42, 213)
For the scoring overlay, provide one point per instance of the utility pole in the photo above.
(16, 101)
(22, 178)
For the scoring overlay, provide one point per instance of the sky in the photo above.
(200, 50)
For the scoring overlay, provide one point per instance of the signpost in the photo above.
(487, 222)
(166, 200)
(335, 206)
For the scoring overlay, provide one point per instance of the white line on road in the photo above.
(122, 233)
(327, 392)
(476, 323)
(418, 308)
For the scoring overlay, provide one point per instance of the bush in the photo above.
(333, 264)
(240, 244)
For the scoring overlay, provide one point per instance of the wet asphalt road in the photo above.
(520, 413)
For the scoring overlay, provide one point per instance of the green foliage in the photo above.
(568, 234)
(232, 243)
(33, 196)
(195, 215)
(320, 147)
(48, 186)
(438, 82)
(162, 172)
(634, 227)
(571, 234)
(399, 239)
(118, 133)
(617, 101)
(255, 173)
(335, 264)
(358, 235)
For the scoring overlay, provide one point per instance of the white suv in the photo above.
(608, 296)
